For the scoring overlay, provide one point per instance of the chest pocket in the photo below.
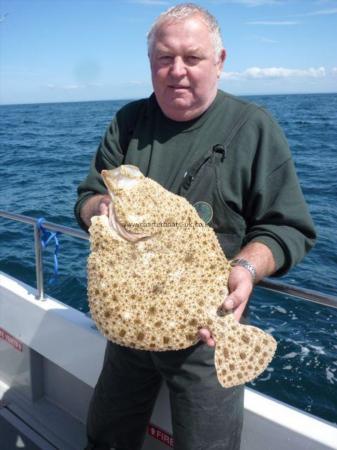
(201, 187)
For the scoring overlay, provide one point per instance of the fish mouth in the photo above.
(123, 177)
(121, 230)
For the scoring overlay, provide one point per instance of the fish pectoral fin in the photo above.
(242, 353)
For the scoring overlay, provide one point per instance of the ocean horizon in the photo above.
(127, 100)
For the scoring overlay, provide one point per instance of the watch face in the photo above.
(204, 210)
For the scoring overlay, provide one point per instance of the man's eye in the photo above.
(165, 59)
(192, 59)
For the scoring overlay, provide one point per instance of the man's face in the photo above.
(185, 69)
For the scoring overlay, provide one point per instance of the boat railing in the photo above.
(267, 284)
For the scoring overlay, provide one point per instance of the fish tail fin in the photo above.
(242, 352)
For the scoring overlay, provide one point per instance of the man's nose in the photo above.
(178, 68)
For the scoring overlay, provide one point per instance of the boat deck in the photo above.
(18, 434)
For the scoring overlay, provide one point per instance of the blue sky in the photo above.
(55, 50)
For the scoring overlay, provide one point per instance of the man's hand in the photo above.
(240, 282)
(103, 206)
(240, 285)
(95, 206)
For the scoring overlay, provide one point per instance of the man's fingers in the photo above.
(204, 334)
(234, 299)
(103, 209)
(206, 337)
(103, 205)
(239, 310)
(240, 286)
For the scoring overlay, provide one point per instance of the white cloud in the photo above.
(323, 12)
(269, 41)
(334, 71)
(265, 40)
(260, 2)
(249, 3)
(273, 22)
(71, 87)
(254, 2)
(274, 72)
(65, 87)
(136, 83)
(151, 2)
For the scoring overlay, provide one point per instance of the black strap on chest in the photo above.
(218, 149)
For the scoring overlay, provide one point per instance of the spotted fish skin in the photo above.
(157, 289)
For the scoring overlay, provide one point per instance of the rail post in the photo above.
(38, 263)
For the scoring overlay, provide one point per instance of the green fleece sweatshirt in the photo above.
(258, 184)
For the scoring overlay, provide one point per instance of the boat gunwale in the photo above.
(266, 284)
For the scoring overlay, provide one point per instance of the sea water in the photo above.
(45, 151)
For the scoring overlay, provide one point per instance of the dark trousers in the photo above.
(205, 416)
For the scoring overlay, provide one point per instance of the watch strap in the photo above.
(246, 264)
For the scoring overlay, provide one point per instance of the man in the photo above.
(231, 161)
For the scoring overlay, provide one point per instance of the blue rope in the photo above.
(46, 238)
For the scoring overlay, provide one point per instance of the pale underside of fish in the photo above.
(157, 274)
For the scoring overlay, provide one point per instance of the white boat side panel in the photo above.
(162, 415)
(53, 329)
(13, 365)
(66, 391)
(65, 337)
(268, 425)
(286, 425)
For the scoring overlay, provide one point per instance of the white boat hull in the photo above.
(51, 356)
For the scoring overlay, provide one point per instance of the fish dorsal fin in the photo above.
(242, 352)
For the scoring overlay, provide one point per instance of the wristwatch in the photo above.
(246, 264)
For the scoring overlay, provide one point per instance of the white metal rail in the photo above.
(271, 285)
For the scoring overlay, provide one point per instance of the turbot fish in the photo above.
(157, 274)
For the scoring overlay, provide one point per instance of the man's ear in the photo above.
(221, 61)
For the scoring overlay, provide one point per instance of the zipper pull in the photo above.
(218, 148)
(188, 178)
